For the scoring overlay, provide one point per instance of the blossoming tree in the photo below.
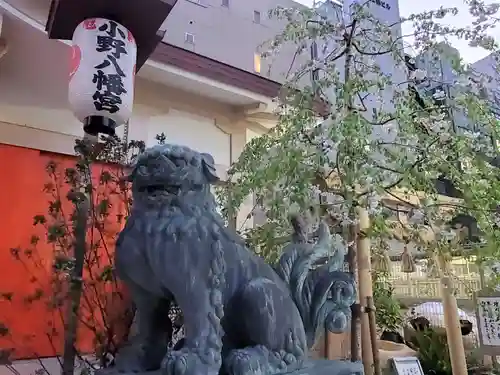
(358, 141)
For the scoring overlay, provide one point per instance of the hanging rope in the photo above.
(380, 259)
(407, 261)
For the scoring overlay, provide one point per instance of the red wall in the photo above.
(31, 327)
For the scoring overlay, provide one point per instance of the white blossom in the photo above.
(439, 95)
(444, 137)
(496, 219)
(447, 234)
(418, 75)
(373, 201)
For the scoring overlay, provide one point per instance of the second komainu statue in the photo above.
(241, 316)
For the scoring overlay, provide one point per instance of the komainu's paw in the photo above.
(191, 362)
(130, 359)
(241, 362)
(259, 360)
(135, 359)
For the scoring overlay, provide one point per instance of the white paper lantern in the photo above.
(101, 81)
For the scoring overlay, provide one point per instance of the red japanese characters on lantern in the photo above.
(101, 84)
(89, 24)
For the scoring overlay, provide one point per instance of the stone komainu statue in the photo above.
(241, 316)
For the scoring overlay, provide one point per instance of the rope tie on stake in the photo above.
(407, 261)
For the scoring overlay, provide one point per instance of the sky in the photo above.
(407, 7)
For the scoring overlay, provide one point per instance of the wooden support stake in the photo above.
(365, 287)
(370, 311)
(452, 322)
(355, 337)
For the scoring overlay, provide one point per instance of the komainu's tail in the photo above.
(322, 292)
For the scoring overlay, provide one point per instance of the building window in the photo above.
(256, 16)
(189, 38)
(225, 3)
(256, 62)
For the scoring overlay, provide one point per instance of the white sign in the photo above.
(386, 11)
(489, 320)
(407, 366)
(103, 65)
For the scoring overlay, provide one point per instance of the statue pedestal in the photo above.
(311, 367)
(329, 367)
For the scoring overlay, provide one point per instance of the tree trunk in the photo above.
(76, 285)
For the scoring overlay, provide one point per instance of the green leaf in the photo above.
(39, 220)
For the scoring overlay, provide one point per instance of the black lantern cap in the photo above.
(142, 17)
(95, 125)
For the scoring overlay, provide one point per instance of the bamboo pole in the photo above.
(373, 335)
(365, 287)
(452, 322)
(355, 334)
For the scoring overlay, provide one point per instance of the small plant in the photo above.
(433, 352)
(388, 314)
(475, 365)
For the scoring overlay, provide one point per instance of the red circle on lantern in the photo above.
(76, 58)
